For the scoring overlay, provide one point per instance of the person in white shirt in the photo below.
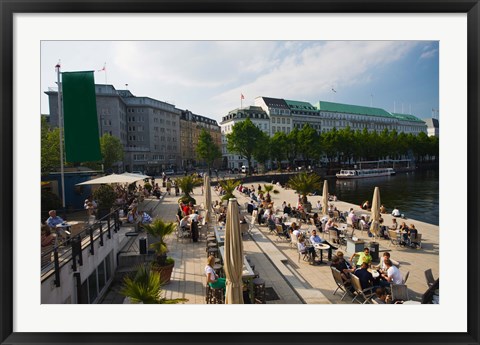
(396, 212)
(393, 275)
(319, 205)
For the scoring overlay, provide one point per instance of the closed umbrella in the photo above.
(325, 198)
(208, 199)
(233, 260)
(375, 224)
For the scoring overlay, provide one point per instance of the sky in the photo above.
(209, 77)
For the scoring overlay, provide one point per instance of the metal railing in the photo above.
(70, 249)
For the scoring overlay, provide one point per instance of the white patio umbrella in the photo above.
(375, 224)
(233, 260)
(325, 198)
(208, 199)
(113, 178)
(141, 176)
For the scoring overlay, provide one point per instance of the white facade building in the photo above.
(259, 119)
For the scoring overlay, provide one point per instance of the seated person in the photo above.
(362, 224)
(331, 226)
(302, 248)
(185, 222)
(212, 278)
(383, 210)
(366, 205)
(344, 266)
(337, 264)
(396, 212)
(294, 229)
(54, 220)
(146, 219)
(394, 225)
(287, 209)
(381, 296)
(362, 257)
(317, 239)
(365, 277)
(132, 215)
(352, 217)
(404, 231)
(381, 266)
(392, 276)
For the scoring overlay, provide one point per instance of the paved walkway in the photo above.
(277, 262)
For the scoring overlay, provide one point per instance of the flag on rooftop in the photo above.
(242, 96)
(82, 143)
(104, 68)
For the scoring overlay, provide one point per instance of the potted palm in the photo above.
(187, 184)
(105, 196)
(269, 188)
(304, 184)
(228, 186)
(163, 264)
(145, 287)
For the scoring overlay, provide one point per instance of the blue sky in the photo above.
(207, 77)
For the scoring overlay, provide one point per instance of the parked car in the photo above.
(169, 172)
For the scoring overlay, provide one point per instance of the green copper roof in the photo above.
(300, 106)
(352, 109)
(407, 117)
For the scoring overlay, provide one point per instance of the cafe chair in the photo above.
(337, 277)
(305, 255)
(366, 294)
(279, 232)
(399, 292)
(183, 233)
(416, 240)
(406, 277)
(395, 238)
(429, 277)
(293, 241)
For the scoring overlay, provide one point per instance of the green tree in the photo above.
(187, 184)
(292, 146)
(229, 187)
(50, 147)
(112, 150)
(304, 184)
(278, 147)
(207, 149)
(262, 151)
(244, 139)
(307, 142)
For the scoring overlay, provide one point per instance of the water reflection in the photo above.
(415, 194)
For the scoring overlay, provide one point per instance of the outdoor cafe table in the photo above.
(220, 234)
(247, 272)
(64, 227)
(321, 247)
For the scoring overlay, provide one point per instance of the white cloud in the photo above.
(429, 53)
(208, 77)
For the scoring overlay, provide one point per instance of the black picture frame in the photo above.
(10, 7)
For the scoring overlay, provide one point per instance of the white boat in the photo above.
(364, 173)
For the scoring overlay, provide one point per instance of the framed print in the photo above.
(363, 66)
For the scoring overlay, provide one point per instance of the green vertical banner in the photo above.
(82, 142)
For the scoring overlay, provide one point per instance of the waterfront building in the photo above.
(284, 115)
(432, 127)
(149, 130)
(259, 118)
(191, 125)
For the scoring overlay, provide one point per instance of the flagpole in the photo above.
(105, 70)
(60, 126)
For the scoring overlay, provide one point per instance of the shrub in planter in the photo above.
(105, 197)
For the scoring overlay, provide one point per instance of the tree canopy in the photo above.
(112, 150)
(244, 139)
(207, 149)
